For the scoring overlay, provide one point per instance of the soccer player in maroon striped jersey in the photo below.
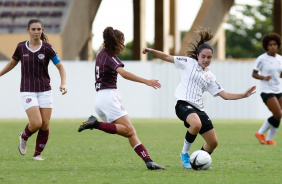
(35, 88)
(107, 101)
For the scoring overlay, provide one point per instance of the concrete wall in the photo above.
(141, 101)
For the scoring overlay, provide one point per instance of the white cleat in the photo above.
(38, 157)
(22, 145)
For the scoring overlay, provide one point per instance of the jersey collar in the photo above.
(33, 51)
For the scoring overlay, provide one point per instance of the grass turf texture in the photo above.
(97, 157)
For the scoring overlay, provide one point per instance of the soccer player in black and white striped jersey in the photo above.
(35, 88)
(196, 79)
(268, 69)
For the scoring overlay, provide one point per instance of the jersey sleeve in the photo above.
(258, 64)
(214, 87)
(16, 56)
(179, 61)
(114, 62)
(53, 52)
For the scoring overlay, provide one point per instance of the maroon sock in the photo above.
(41, 141)
(108, 127)
(26, 133)
(142, 152)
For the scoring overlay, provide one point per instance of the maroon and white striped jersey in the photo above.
(34, 66)
(105, 70)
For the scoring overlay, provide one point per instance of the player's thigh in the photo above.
(210, 137)
(46, 116)
(280, 102)
(274, 106)
(193, 120)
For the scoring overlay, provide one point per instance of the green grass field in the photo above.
(97, 157)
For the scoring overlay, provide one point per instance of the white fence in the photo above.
(141, 101)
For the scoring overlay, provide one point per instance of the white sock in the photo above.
(186, 147)
(264, 127)
(272, 131)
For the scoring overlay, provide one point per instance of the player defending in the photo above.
(35, 88)
(107, 100)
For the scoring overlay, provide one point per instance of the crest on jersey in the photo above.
(41, 56)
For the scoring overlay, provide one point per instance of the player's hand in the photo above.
(267, 78)
(250, 91)
(63, 89)
(145, 50)
(154, 83)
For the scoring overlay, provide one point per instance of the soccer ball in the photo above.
(200, 160)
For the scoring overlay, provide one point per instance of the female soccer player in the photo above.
(35, 88)
(196, 79)
(268, 69)
(107, 101)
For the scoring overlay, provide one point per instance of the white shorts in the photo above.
(108, 106)
(41, 99)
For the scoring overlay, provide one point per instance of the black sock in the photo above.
(205, 150)
(190, 137)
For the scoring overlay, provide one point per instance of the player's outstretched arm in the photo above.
(130, 76)
(159, 54)
(62, 72)
(9, 67)
(235, 96)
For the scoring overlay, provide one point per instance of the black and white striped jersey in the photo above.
(194, 82)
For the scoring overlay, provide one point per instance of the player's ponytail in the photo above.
(113, 40)
(195, 47)
(43, 37)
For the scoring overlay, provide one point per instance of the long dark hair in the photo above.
(43, 37)
(113, 40)
(194, 46)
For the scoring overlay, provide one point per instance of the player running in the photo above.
(195, 80)
(107, 100)
(268, 69)
(35, 88)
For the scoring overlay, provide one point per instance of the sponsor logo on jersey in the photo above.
(41, 56)
(25, 55)
(28, 100)
(181, 59)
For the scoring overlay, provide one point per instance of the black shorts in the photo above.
(266, 96)
(183, 109)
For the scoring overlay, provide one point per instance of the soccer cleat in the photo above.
(22, 145)
(38, 157)
(260, 137)
(185, 160)
(89, 124)
(154, 166)
(270, 142)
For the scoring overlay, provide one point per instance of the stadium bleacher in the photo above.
(14, 14)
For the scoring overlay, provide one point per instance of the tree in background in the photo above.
(245, 28)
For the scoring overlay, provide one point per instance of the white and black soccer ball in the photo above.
(200, 160)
